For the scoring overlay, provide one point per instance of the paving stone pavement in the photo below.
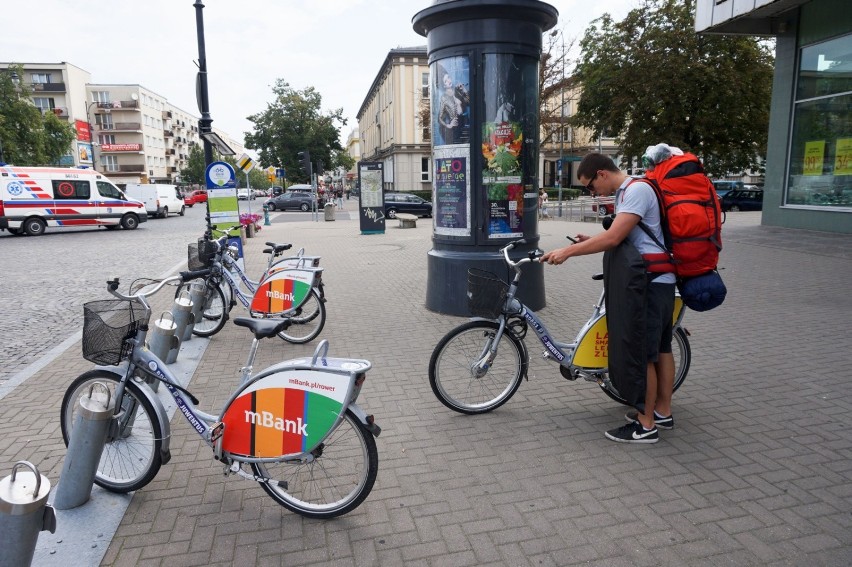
(758, 470)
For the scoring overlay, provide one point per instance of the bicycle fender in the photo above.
(362, 417)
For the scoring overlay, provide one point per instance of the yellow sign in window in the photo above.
(814, 152)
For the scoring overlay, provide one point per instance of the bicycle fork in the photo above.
(489, 352)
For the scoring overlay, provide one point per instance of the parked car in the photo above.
(194, 197)
(406, 203)
(292, 200)
(743, 200)
(725, 187)
(604, 206)
(245, 194)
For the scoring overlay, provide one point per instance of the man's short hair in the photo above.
(593, 163)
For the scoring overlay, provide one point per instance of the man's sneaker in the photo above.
(633, 432)
(660, 422)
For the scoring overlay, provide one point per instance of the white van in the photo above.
(159, 199)
(33, 198)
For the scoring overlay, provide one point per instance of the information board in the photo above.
(371, 201)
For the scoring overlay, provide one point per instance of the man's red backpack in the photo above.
(691, 218)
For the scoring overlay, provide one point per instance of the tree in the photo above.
(650, 78)
(27, 136)
(292, 123)
(193, 173)
(554, 84)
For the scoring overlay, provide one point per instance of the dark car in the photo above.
(725, 187)
(292, 200)
(195, 197)
(406, 203)
(743, 200)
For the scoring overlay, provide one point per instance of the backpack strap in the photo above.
(664, 261)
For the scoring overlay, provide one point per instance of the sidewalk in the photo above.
(758, 470)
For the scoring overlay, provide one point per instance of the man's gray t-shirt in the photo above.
(639, 199)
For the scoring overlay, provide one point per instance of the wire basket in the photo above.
(107, 324)
(486, 293)
(200, 255)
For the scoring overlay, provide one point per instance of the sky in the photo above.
(335, 46)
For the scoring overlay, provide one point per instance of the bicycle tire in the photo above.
(683, 358)
(339, 478)
(451, 377)
(133, 458)
(214, 314)
(308, 321)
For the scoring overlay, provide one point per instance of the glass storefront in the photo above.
(820, 160)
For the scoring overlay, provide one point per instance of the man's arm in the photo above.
(606, 240)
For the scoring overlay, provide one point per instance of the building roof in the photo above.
(418, 51)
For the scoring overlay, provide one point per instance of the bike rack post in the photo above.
(197, 291)
(182, 311)
(24, 512)
(161, 341)
(91, 426)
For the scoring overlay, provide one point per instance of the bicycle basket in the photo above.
(107, 324)
(486, 293)
(200, 255)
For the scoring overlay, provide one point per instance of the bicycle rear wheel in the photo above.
(452, 373)
(682, 358)
(132, 457)
(336, 481)
(214, 314)
(308, 320)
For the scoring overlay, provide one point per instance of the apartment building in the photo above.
(390, 120)
(353, 148)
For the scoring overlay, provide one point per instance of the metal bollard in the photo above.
(182, 311)
(161, 340)
(197, 291)
(84, 449)
(24, 512)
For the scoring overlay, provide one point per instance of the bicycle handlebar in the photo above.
(533, 256)
(112, 284)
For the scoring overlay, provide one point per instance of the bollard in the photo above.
(84, 448)
(266, 216)
(161, 341)
(197, 291)
(182, 311)
(328, 210)
(24, 512)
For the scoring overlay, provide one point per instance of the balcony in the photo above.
(167, 114)
(119, 105)
(170, 151)
(168, 133)
(122, 126)
(171, 170)
(132, 168)
(48, 87)
(59, 111)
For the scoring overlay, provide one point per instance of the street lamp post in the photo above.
(91, 133)
(561, 118)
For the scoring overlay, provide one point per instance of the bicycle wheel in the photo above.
(451, 368)
(131, 458)
(308, 321)
(214, 314)
(335, 482)
(682, 357)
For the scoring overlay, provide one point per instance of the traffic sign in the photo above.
(280, 173)
(245, 163)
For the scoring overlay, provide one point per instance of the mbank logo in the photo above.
(267, 419)
(275, 294)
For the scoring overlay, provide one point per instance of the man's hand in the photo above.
(556, 257)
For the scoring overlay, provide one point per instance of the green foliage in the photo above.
(27, 136)
(195, 167)
(650, 78)
(292, 123)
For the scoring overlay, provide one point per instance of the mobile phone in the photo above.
(573, 240)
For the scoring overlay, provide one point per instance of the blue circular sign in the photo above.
(220, 175)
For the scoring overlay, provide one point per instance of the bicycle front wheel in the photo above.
(214, 314)
(454, 369)
(308, 321)
(337, 479)
(131, 457)
(682, 354)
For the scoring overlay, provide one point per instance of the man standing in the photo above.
(635, 202)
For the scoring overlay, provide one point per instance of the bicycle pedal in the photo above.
(567, 374)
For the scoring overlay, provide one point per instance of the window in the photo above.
(424, 85)
(70, 189)
(108, 190)
(105, 121)
(41, 78)
(819, 168)
(100, 96)
(44, 103)
(109, 162)
(424, 168)
(107, 138)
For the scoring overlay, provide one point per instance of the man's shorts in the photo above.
(658, 317)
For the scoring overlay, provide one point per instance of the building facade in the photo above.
(808, 182)
(391, 121)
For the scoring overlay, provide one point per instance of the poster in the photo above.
(450, 101)
(452, 191)
(843, 157)
(505, 210)
(371, 202)
(814, 152)
(84, 152)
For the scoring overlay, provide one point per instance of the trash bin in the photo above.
(329, 211)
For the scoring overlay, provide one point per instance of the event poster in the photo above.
(452, 192)
(450, 101)
(505, 210)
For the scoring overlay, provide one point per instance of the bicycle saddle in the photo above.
(263, 328)
(276, 247)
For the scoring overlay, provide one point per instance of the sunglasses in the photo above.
(591, 185)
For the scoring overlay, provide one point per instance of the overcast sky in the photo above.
(336, 46)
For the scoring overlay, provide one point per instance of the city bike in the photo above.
(293, 427)
(290, 287)
(466, 373)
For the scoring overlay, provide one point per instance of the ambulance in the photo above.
(33, 198)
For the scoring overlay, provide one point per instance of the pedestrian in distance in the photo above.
(542, 204)
(644, 312)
